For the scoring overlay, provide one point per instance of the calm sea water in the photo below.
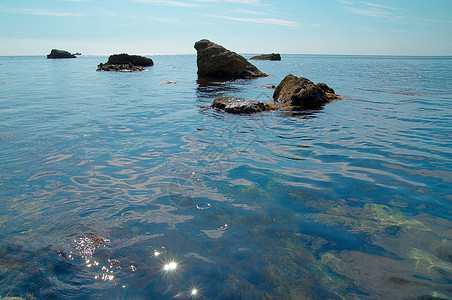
(125, 186)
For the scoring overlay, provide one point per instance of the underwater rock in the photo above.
(168, 83)
(87, 245)
(240, 106)
(301, 92)
(125, 63)
(217, 63)
(56, 54)
(119, 68)
(273, 57)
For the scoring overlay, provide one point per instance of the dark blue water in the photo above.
(126, 186)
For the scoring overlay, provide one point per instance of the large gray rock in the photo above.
(125, 63)
(273, 56)
(136, 60)
(303, 93)
(217, 63)
(55, 53)
(240, 106)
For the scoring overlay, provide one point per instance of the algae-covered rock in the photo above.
(240, 106)
(302, 92)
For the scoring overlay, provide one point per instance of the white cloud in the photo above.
(244, 11)
(169, 3)
(370, 12)
(381, 6)
(370, 9)
(40, 12)
(437, 21)
(244, 2)
(193, 2)
(257, 20)
(344, 2)
(250, 2)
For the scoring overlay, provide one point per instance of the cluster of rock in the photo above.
(217, 63)
(292, 92)
(125, 63)
(273, 57)
(57, 54)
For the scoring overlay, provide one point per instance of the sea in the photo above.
(121, 185)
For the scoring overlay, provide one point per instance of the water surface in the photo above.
(108, 179)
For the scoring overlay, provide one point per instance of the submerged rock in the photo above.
(119, 68)
(241, 106)
(273, 56)
(55, 54)
(125, 63)
(303, 93)
(217, 63)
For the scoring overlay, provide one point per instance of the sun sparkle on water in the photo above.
(171, 266)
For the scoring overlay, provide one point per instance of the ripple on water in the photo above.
(108, 178)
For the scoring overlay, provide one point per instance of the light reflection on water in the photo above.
(116, 186)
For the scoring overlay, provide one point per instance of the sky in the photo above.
(146, 27)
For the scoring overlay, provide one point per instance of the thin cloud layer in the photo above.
(370, 9)
(169, 3)
(41, 12)
(257, 20)
(193, 4)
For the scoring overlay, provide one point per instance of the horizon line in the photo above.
(245, 53)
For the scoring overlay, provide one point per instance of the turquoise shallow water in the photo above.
(108, 179)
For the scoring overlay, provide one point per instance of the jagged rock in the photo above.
(301, 92)
(240, 106)
(325, 88)
(217, 63)
(55, 53)
(273, 56)
(125, 63)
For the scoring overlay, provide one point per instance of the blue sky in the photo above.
(403, 27)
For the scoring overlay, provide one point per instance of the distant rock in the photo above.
(125, 63)
(273, 56)
(217, 63)
(303, 93)
(240, 106)
(136, 60)
(55, 53)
